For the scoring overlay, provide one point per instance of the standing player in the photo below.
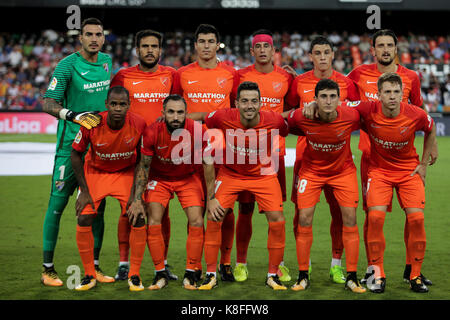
(301, 93)
(108, 171)
(79, 86)
(274, 83)
(394, 163)
(327, 161)
(149, 83)
(251, 164)
(164, 171)
(366, 76)
(207, 85)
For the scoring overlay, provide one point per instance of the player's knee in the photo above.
(85, 220)
(275, 216)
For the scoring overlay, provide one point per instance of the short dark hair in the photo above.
(247, 85)
(147, 33)
(118, 89)
(389, 77)
(384, 32)
(320, 40)
(262, 31)
(326, 84)
(93, 21)
(207, 28)
(174, 97)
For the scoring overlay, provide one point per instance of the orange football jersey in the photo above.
(206, 90)
(327, 144)
(392, 139)
(366, 76)
(302, 92)
(147, 89)
(111, 150)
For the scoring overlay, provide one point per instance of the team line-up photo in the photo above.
(214, 136)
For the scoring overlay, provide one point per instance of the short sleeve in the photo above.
(148, 141)
(60, 79)
(118, 79)
(352, 90)
(211, 119)
(292, 97)
(82, 140)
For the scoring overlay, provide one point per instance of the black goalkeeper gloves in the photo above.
(88, 119)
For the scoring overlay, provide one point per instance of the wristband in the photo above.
(63, 113)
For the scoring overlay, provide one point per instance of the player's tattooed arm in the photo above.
(84, 198)
(136, 209)
(52, 107)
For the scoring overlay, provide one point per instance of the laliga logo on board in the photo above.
(19, 126)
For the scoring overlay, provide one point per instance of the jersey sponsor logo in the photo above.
(193, 81)
(270, 100)
(327, 147)
(371, 96)
(221, 82)
(137, 82)
(115, 155)
(353, 103)
(150, 95)
(97, 84)
(277, 86)
(389, 144)
(53, 84)
(78, 137)
(206, 95)
(164, 81)
(85, 73)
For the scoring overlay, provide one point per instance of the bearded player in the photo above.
(149, 83)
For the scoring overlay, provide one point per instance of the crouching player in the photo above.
(108, 170)
(170, 149)
(327, 161)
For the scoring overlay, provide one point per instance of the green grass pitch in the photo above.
(23, 202)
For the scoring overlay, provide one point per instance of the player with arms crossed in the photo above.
(251, 138)
(108, 171)
(149, 83)
(327, 161)
(207, 85)
(166, 168)
(301, 93)
(384, 49)
(394, 163)
(78, 87)
(274, 83)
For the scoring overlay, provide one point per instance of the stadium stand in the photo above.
(27, 60)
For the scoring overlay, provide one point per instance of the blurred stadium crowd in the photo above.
(28, 60)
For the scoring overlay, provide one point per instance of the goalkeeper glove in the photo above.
(88, 119)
